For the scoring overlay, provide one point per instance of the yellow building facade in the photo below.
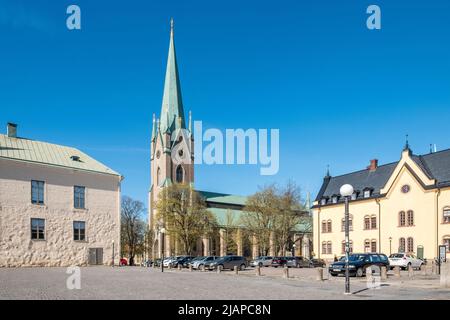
(398, 207)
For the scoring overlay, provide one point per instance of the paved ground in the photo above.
(149, 283)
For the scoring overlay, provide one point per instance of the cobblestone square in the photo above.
(149, 283)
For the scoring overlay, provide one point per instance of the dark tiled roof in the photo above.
(435, 165)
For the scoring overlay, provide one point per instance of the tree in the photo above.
(183, 212)
(288, 215)
(133, 228)
(258, 216)
(273, 212)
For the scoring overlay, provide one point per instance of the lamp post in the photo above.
(112, 256)
(293, 249)
(162, 248)
(390, 245)
(346, 191)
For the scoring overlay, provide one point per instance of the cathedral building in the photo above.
(172, 161)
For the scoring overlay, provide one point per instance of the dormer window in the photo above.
(354, 195)
(334, 199)
(367, 193)
(323, 201)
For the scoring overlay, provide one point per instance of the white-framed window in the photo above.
(446, 242)
(334, 199)
(37, 192)
(79, 196)
(446, 215)
(367, 193)
(37, 229)
(79, 231)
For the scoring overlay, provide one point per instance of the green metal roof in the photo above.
(231, 217)
(49, 154)
(172, 104)
(223, 198)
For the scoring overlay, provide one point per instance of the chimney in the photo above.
(12, 130)
(373, 165)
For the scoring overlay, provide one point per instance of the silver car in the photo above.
(229, 262)
(262, 261)
(204, 263)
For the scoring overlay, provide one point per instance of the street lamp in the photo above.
(163, 230)
(293, 249)
(346, 191)
(390, 245)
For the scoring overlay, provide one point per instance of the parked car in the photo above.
(191, 262)
(204, 263)
(180, 260)
(298, 262)
(229, 262)
(279, 262)
(404, 260)
(262, 261)
(168, 260)
(318, 263)
(123, 262)
(358, 263)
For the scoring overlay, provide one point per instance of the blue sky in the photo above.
(339, 93)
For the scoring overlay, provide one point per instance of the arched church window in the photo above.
(180, 174)
(158, 176)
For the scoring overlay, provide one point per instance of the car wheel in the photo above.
(242, 267)
(298, 265)
(359, 272)
(260, 264)
(201, 267)
(333, 274)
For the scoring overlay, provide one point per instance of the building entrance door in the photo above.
(95, 256)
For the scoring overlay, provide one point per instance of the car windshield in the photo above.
(396, 255)
(353, 257)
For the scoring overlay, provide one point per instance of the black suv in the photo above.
(358, 263)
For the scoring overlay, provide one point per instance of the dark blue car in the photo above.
(358, 263)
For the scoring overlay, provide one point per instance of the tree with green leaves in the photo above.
(184, 215)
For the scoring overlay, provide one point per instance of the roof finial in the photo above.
(328, 170)
(171, 25)
(407, 143)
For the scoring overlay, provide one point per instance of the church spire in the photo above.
(172, 104)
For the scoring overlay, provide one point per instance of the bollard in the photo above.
(445, 275)
(397, 271)
(219, 269)
(258, 270)
(423, 270)
(410, 271)
(170, 266)
(179, 267)
(383, 273)
(433, 268)
(236, 270)
(326, 272)
(319, 276)
(190, 267)
(285, 272)
(369, 274)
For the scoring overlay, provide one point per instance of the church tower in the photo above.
(172, 144)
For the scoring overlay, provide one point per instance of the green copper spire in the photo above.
(172, 104)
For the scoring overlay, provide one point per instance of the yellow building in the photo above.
(398, 207)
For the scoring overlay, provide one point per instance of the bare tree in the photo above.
(273, 211)
(184, 214)
(133, 228)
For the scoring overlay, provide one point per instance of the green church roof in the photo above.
(172, 112)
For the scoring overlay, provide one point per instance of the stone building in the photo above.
(402, 206)
(172, 161)
(58, 206)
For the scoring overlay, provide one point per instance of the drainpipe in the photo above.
(319, 247)
(379, 224)
(438, 193)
